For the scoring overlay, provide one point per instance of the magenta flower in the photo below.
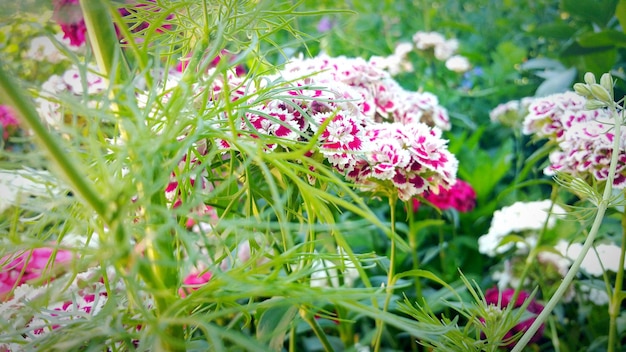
(492, 297)
(193, 282)
(29, 266)
(461, 196)
(68, 14)
(8, 121)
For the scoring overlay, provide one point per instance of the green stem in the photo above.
(413, 243)
(390, 272)
(569, 277)
(532, 255)
(310, 319)
(616, 299)
(102, 38)
(25, 109)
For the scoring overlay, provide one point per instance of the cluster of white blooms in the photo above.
(73, 82)
(512, 112)
(601, 258)
(326, 273)
(431, 42)
(16, 186)
(43, 48)
(443, 49)
(521, 218)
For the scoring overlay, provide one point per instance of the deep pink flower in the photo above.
(492, 297)
(29, 266)
(8, 121)
(461, 196)
(68, 14)
(193, 282)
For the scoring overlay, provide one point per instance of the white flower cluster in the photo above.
(522, 218)
(442, 49)
(512, 112)
(16, 186)
(43, 48)
(74, 82)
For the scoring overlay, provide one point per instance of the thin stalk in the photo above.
(390, 273)
(413, 243)
(602, 206)
(102, 38)
(11, 95)
(616, 299)
(533, 251)
(317, 329)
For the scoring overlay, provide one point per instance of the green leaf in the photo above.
(595, 11)
(609, 37)
(555, 30)
(557, 82)
(620, 13)
(274, 323)
(600, 62)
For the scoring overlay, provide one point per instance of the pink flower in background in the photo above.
(68, 14)
(501, 299)
(461, 196)
(8, 121)
(193, 282)
(29, 266)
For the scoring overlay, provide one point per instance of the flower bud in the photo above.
(600, 93)
(590, 78)
(594, 104)
(606, 81)
(582, 89)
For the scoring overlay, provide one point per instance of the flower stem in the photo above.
(390, 273)
(102, 38)
(602, 206)
(310, 319)
(616, 298)
(413, 243)
(11, 94)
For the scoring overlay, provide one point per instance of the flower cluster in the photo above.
(8, 122)
(583, 137)
(511, 113)
(68, 15)
(430, 43)
(29, 266)
(525, 218)
(373, 129)
(501, 299)
(73, 82)
(461, 197)
(442, 49)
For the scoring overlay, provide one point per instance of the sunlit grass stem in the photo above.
(617, 296)
(390, 272)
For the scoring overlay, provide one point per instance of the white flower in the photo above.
(17, 185)
(445, 50)
(458, 63)
(427, 40)
(518, 218)
(43, 49)
(596, 262)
